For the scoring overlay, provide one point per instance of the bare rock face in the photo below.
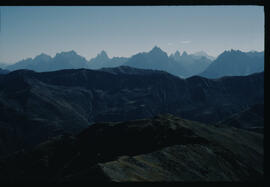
(164, 148)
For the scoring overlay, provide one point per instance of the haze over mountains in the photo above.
(183, 65)
(194, 63)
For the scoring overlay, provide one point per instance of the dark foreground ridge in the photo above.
(36, 106)
(164, 148)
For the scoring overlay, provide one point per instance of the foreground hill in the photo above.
(165, 148)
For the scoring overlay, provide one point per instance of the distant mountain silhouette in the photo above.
(102, 60)
(68, 60)
(156, 59)
(193, 63)
(43, 62)
(234, 63)
(185, 65)
(3, 65)
(200, 54)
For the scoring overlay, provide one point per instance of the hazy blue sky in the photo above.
(124, 31)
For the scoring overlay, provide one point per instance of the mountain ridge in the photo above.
(235, 62)
(169, 149)
(185, 65)
(71, 60)
(70, 100)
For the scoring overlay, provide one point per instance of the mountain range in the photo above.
(235, 62)
(149, 117)
(36, 106)
(193, 63)
(154, 59)
(43, 62)
(228, 63)
(103, 61)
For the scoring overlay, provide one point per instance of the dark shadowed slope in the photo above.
(107, 93)
(251, 118)
(165, 148)
(3, 71)
(71, 100)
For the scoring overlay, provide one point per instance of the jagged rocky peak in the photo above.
(184, 53)
(103, 55)
(43, 57)
(67, 53)
(230, 53)
(177, 54)
(157, 51)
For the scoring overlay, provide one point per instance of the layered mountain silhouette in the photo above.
(194, 63)
(155, 59)
(163, 148)
(200, 54)
(51, 103)
(229, 63)
(2, 65)
(43, 62)
(103, 61)
(235, 62)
